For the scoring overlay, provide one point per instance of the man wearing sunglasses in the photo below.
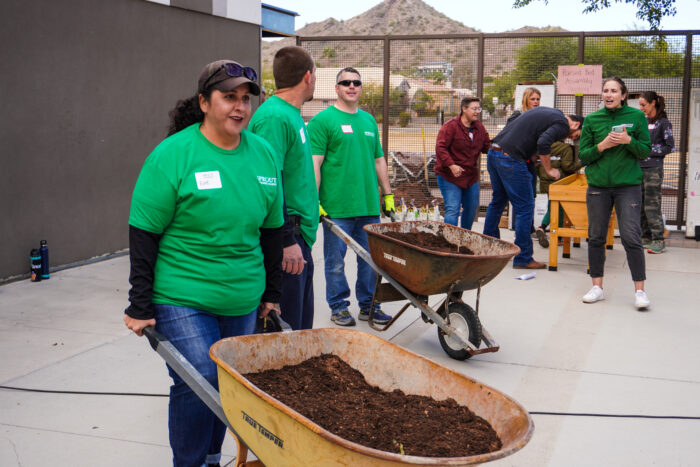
(279, 121)
(349, 163)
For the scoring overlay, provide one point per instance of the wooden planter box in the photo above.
(570, 194)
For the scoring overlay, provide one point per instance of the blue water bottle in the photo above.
(44, 260)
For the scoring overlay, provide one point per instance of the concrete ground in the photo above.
(557, 355)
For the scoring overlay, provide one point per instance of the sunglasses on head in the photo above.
(347, 82)
(234, 70)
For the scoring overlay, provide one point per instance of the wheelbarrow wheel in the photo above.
(466, 324)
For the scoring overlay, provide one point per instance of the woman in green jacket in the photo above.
(613, 140)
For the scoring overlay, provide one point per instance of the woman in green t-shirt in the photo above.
(205, 241)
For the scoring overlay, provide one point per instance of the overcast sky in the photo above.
(500, 16)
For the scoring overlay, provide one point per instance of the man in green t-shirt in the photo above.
(349, 163)
(279, 122)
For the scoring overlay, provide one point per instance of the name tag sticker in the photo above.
(652, 126)
(303, 136)
(346, 128)
(208, 180)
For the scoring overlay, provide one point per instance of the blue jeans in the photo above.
(337, 289)
(297, 302)
(196, 434)
(456, 197)
(628, 207)
(511, 181)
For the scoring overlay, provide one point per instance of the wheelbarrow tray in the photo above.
(280, 436)
(428, 272)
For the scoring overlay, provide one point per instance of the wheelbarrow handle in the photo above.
(154, 337)
(189, 374)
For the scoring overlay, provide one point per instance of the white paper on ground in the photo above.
(524, 277)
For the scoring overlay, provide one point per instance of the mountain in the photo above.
(391, 17)
(404, 17)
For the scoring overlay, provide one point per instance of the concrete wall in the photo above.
(86, 86)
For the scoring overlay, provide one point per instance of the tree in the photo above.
(329, 52)
(437, 77)
(421, 101)
(626, 57)
(651, 11)
(372, 100)
(502, 88)
(540, 57)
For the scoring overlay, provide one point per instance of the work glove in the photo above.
(389, 208)
(321, 212)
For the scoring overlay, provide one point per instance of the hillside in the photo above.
(404, 17)
(393, 17)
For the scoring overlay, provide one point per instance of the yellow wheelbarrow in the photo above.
(280, 436)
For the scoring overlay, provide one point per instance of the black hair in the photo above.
(660, 105)
(577, 118)
(187, 112)
(623, 87)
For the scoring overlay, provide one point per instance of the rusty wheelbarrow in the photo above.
(413, 273)
(281, 436)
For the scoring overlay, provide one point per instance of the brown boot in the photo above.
(531, 265)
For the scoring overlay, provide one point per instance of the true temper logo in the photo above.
(271, 181)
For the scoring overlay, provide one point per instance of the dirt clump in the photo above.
(429, 242)
(337, 397)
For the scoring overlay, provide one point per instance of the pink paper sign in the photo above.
(580, 79)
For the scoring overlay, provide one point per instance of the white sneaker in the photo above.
(641, 301)
(593, 295)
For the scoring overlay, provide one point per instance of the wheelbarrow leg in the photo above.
(242, 456)
(375, 301)
(486, 337)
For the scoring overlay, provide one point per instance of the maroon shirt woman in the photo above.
(459, 144)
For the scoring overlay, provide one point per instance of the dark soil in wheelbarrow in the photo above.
(429, 242)
(337, 397)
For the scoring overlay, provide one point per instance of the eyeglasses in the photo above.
(347, 82)
(475, 109)
(234, 70)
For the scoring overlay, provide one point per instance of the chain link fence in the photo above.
(413, 84)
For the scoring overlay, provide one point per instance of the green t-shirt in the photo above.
(281, 125)
(350, 144)
(209, 203)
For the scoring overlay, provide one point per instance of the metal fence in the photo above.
(413, 84)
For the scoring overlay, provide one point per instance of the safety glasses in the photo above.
(347, 82)
(234, 70)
